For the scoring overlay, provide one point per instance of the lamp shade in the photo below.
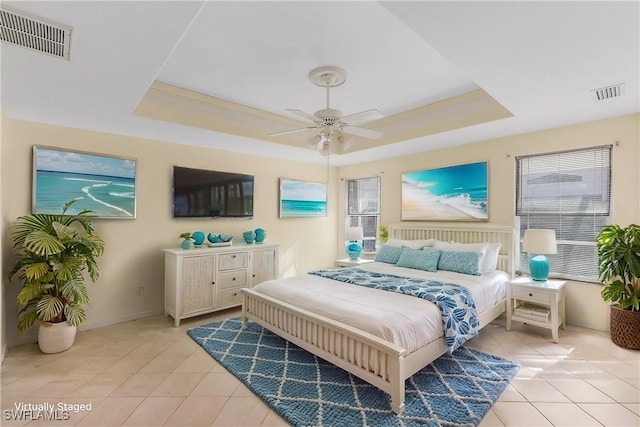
(353, 234)
(540, 241)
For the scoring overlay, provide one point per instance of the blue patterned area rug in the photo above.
(455, 390)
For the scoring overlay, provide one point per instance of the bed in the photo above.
(355, 342)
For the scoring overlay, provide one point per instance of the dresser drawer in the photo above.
(531, 295)
(233, 279)
(233, 261)
(229, 297)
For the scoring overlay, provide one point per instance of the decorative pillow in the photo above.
(422, 260)
(413, 244)
(463, 247)
(490, 260)
(389, 254)
(460, 262)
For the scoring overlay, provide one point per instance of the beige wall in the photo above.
(584, 305)
(133, 256)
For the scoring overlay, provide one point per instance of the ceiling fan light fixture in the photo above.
(332, 126)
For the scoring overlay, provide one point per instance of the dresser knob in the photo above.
(213, 283)
(530, 294)
(233, 279)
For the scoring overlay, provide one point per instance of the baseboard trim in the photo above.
(137, 316)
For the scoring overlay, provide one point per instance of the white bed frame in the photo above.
(352, 349)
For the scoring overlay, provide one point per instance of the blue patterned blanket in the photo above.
(456, 304)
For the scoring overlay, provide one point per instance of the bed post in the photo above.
(244, 311)
(396, 380)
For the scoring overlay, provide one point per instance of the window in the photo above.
(569, 192)
(363, 209)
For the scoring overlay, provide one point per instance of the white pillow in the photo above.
(490, 260)
(413, 244)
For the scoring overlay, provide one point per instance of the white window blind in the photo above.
(569, 192)
(363, 208)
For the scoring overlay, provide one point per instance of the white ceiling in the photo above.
(539, 60)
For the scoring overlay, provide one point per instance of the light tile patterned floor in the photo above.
(148, 373)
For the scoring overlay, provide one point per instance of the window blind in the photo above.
(363, 208)
(569, 192)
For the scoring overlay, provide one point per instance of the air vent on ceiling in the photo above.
(608, 92)
(32, 32)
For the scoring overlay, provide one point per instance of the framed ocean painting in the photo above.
(452, 193)
(302, 199)
(104, 184)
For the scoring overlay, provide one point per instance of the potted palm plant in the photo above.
(619, 267)
(53, 252)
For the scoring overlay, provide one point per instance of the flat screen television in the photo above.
(209, 193)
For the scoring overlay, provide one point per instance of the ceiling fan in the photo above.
(333, 126)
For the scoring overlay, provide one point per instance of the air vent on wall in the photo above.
(32, 32)
(608, 92)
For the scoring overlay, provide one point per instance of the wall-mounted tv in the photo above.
(209, 193)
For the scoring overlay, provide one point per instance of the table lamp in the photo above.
(354, 249)
(539, 242)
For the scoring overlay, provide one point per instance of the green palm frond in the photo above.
(42, 243)
(76, 291)
(36, 271)
(50, 308)
(27, 317)
(67, 267)
(29, 292)
(75, 315)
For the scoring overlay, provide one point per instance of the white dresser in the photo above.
(202, 280)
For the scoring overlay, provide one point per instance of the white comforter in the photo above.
(405, 320)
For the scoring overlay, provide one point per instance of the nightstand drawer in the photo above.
(531, 295)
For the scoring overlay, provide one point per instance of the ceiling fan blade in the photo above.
(304, 115)
(362, 117)
(365, 133)
(286, 132)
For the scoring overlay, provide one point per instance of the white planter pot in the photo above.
(55, 337)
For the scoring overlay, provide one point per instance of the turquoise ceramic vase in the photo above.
(186, 244)
(249, 236)
(198, 238)
(261, 234)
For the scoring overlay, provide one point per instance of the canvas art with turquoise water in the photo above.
(103, 184)
(453, 193)
(302, 199)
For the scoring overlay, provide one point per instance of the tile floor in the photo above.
(148, 373)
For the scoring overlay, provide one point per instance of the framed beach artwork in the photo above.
(104, 184)
(302, 199)
(452, 193)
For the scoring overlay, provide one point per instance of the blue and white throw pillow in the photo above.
(419, 259)
(460, 262)
(389, 254)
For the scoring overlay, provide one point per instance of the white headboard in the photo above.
(464, 233)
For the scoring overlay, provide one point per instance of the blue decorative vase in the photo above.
(198, 238)
(187, 244)
(249, 236)
(260, 235)
(214, 238)
(354, 250)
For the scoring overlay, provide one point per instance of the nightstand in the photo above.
(536, 303)
(348, 263)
